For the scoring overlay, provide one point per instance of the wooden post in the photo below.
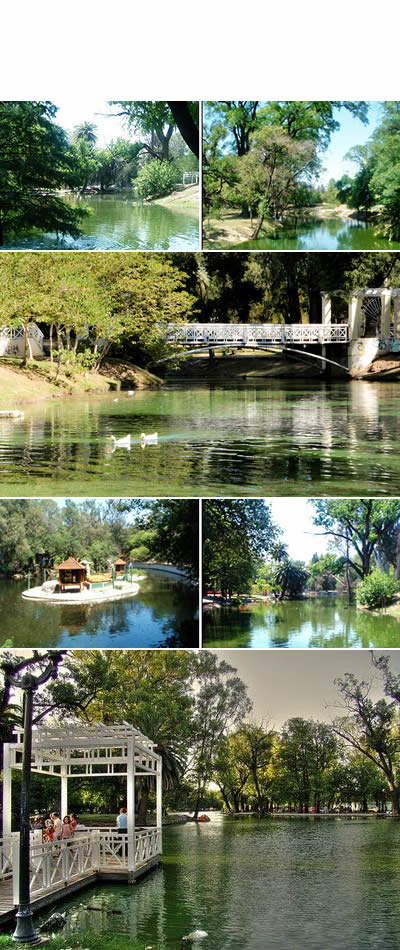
(159, 801)
(130, 804)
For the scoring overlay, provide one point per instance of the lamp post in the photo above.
(25, 931)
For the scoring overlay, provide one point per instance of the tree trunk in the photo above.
(26, 346)
(260, 222)
(395, 800)
(143, 804)
(186, 125)
(51, 342)
(59, 349)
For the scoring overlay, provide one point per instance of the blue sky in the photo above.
(352, 132)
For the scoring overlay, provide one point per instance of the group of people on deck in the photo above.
(53, 829)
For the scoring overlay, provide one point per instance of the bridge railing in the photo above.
(229, 334)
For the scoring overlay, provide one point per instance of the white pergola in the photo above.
(78, 750)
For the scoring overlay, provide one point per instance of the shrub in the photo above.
(377, 590)
(155, 179)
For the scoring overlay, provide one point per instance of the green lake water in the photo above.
(164, 613)
(322, 234)
(270, 437)
(326, 621)
(116, 223)
(282, 883)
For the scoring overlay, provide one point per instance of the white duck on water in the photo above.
(124, 443)
(149, 439)
(195, 936)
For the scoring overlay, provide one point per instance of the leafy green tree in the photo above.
(221, 702)
(269, 173)
(36, 159)
(371, 728)
(155, 179)
(325, 570)
(377, 589)
(307, 751)
(152, 119)
(312, 121)
(235, 118)
(363, 522)
(235, 535)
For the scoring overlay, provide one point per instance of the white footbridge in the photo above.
(372, 329)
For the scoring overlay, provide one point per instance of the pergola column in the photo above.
(355, 317)
(130, 804)
(64, 792)
(386, 298)
(326, 308)
(159, 799)
(7, 790)
(396, 316)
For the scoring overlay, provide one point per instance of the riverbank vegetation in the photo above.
(263, 161)
(93, 307)
(36, 535)
(243, 554)
(41, 161)
(375, 188)
(197, 710)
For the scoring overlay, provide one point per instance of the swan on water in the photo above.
(124, 443)
(149, 439)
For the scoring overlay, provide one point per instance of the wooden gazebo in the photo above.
(120, 565)
(71, 575)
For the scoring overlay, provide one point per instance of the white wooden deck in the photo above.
(58, 869)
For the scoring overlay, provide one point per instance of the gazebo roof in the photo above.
(87, 750)
(71, 564)
(121, 560)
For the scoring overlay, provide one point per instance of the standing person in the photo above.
(67, 829)
(48, 833)
(55, 815)
(74, 821)
(122, 821)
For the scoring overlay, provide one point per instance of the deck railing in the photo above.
(55, 864)
(253, 333)
(5, 858)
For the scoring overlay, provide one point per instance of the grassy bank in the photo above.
(186, 200)
(38, 380)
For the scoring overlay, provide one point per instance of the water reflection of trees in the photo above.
(212, 437)
(165, 615)
(312, 622)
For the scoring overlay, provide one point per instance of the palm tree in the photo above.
(86, 132)
(292, 577)
(173, 753)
